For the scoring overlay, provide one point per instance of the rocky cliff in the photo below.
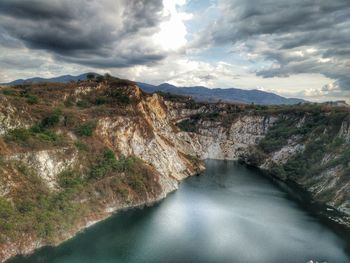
(306, 145)
(72, 154)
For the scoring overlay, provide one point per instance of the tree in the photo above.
(99, 78)
(90, 76)
(107, 76)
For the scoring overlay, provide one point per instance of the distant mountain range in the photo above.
(198, 93)
(60, 79)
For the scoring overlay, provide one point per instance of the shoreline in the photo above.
(36, 245)
(299, 194)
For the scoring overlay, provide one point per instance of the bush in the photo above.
(51, 120)
(100, 100)
(32, 99)
(69, 103)
(6, 212)
(33, 137)
(99, 79)
(49, 136)
(108, 164)
(279, 134)
(19, 134)
(272, 144)
(9, 92)
(278, 171)
(345, 158)
(117, 93)
(86, 129)
(136, 183)
(83, 104)
(81, 146)
(188, 125)
(120, 98)
(107, 76)
(70, 179)
(105, 165)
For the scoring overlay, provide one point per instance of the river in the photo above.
(230, 214)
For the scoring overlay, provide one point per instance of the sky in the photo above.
(296, 48)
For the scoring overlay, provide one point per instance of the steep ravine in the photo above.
(91, 149)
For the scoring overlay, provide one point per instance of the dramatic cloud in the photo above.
(301, 36)
(296, 48)
(104, 33)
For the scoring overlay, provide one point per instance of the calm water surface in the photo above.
(230, 214)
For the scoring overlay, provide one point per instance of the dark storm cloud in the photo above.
(299, 36)
(35, 9)
(105, 33)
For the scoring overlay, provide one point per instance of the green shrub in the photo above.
(272, 144)
(108, 164)
(69, 103)
(81, 146)
(100, 101)
(83, 104)
(345, 158)
(105, 165)
(36, 128)
(31, 99)
(122, 191)
(136, 183)
(9, 92)
(188, 125)
(86, 129)
(117, 95)
(33, 137)
(19, 134)
(99, 79)
(51, 120)
(278, 171)
(70, 179)
(122, 99)
(279, 134)
(6, 212)
(49, 136)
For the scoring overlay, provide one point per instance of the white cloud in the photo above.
(189, 72)
(172, 34)
(148, 41)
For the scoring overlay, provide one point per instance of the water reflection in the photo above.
(231, 214)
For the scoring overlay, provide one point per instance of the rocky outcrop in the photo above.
(47, 164)
(12, 116)
(146, 132)
(328, 181)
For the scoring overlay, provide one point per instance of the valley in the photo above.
(74, 153)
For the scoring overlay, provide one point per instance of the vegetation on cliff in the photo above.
(308, 144)
(325, 149)
(65, 150)
(62, 117)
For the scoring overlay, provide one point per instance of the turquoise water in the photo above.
(229, 214)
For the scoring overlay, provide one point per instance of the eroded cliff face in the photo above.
(130, 159)
(308, 146)
(94, 148)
